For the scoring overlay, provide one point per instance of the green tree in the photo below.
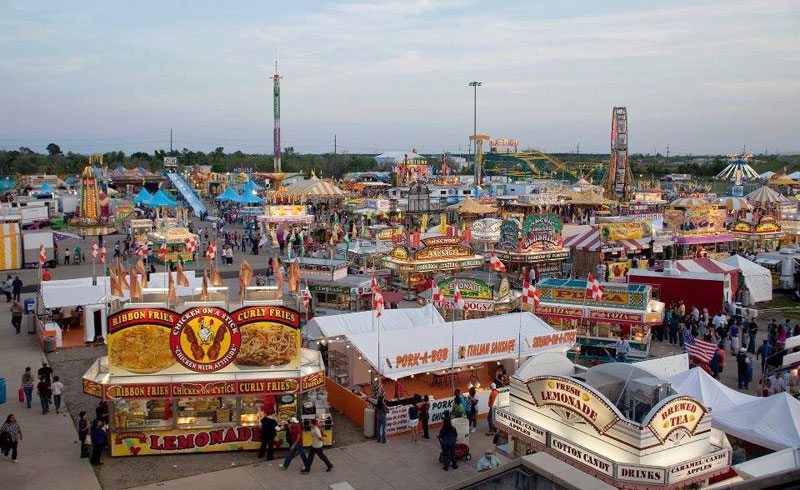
(53, 149)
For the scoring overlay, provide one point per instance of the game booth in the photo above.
(766, 235)
(698, 228)
(198, 377)
(624, 309)
(617, 422)
(276, 214)
(609, 242)
(415, 351)
(413, 266)
(533, 243)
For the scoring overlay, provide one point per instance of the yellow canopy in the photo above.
(471, 206)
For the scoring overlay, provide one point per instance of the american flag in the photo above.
(495, 264)
(697, 348)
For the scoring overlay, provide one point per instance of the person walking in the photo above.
(295, 445)
(472, 409)
(380, 416)
(490, 417)
(57, 388)
(10, 434)
(448, 438)
(316, 448)
(45, 372)
(67, 254)
(269, 429)
(83, 434)
(45, 392)
(7, 287)
(98, 437)
(413, 419)
(425, 415)
(764, 352)
(16, 316)
(752, 331)
(16, 288)
(27, 385)
(741, 368)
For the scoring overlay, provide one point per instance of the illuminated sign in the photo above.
(484, 349)
(159, 390)
(92, 388)
(572, 398)
(696, 467)
(399, 253)
(767, 224)
(592, 460)
(631, 230)
(680, 413)
(540, 232)
(615, 316)
(641, 474)
(554, 310)
(469, 288)
(496, 142)
(443, 252)
(441, 240)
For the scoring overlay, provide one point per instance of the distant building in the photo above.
(395, 157)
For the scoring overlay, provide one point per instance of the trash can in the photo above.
(461, 424)
(29, 323)
(49, 344)
(29, 306)
(369, 421)
(2, 390)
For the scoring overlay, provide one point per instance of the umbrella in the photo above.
(688, 202)
(228, 195)
(734, 203)
(142, 197)
(765, 195)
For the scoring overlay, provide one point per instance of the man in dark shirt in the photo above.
(16, 288)
(269, 429)
(45, 372)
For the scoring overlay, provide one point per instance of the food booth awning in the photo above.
(362, 322)
(592, 241)
(405, 352)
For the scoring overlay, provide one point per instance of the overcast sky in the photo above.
(700, 77)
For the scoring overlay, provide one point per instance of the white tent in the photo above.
(766, 175)
(700, 385)
(348, 324)
(772, 422)
(794, 175)
(757, 279)
(425, 348)
(778, 462)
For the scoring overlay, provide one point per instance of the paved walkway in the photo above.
(49, 455)
(399, 464)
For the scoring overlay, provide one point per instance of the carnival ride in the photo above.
(188, 193)
(738, 168)
(531, 163)
(618, 180)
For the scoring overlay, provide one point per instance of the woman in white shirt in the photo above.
(57, 388)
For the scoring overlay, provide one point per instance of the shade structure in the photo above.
(591, 241)
(314, 187)
(250, 198)
(735, 203)
(228, 195)
(781, 180)
(765, 195)
(46, 187)
(471, 206)
(688, 202)
(585, 197)
(757, 279)
(143, 197)
(704, 264)
(161, 198)
(251, 186)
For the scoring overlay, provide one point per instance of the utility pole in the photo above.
(475, 84)
(334, 145)
(170, 140)
(578, 148)
(667, 152)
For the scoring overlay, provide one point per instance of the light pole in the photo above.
(474, 85)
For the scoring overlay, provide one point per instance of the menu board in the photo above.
(203, 339)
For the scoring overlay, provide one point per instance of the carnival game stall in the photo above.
(623, 309)
(483, 293)
(698, 227)
(437, 254)
(179, 242)
(610, 243)
(366, 256)
(485, 234)
(200, 377)
(276, 214)
(764, 236)
(534, 243)
(616, 422)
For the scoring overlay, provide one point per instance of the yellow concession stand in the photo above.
(616, 422)
(438, 254)
(200, 378)
(177, 240)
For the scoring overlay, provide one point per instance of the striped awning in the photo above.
(704, 264)
(590, 241)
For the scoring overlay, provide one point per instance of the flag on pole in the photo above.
(136, 290)
(103, 255)
(139, 268)
(245, 277)
(141, 250)
(294, 276)
(373, 285)
(276, 269)
(204, 288)
(495, 263)
(211, 251)
(172, 296)
(114, 284)
(191, 243)
(162, 252)
(377, 303)
(437, 298)
(458, 300)
(122, 276)
(593, 288)
(180, 277)
(216, 279)
(306, 298)
(530, 295)
(700, 349)
(95, 250)
(42, 256)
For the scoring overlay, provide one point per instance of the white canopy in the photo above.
(757, 279)
(794, 175)
(363, 322)
(772, 422)
(777, 462)
(425, 348)
(766, 175)
(61, 293)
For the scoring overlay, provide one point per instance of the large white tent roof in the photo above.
(757, 279)
(360, 322)
(700, 385)
(428, 347)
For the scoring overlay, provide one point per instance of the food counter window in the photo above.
(142, 414)
(252, 410)
(206, 412)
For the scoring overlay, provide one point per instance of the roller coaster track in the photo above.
(536, 163)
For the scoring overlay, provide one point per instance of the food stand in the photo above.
(387, 233)
(485, 234)
(438, 254)
(765, 235)
(484, 293)
(698, 227)
(534, 243)
(276, 214)
(609, 242)
(366, 255)
(177, 240)
(626, 309)
(198, 378)
(139, 228)
(351, 293)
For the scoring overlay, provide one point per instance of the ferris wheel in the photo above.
(618, 181)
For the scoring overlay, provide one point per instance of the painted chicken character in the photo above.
(205, 331)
